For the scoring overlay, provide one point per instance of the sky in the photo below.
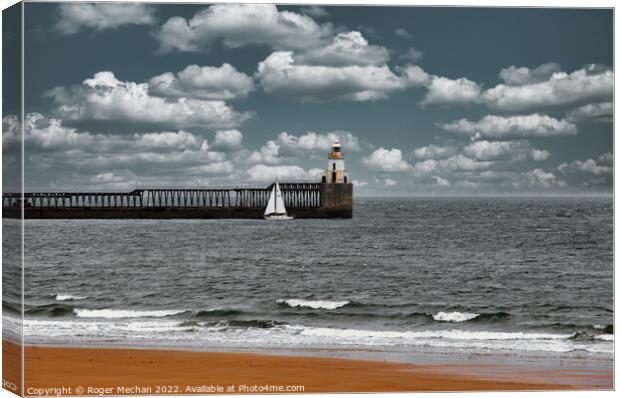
(425, 101)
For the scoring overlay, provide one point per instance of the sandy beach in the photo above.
(95, 371)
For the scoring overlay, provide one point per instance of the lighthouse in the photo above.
(336, 172)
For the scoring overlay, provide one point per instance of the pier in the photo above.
(302, 199)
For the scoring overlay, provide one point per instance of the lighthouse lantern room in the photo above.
(336, 172)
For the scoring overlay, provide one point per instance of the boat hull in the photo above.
(278, 217)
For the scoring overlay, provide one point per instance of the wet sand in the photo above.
(111, 371)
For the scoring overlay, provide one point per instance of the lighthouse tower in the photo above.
(335, 173)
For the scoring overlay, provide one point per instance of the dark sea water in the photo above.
(523, 276)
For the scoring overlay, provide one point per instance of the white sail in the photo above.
(271, 205)
(275, 207)
(280, 209)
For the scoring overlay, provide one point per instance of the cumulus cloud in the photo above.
(445, 91)
(589, 166)
(538, 155)
(538, 179)
(312, 141)
(267, 173)
(388, 182)
(105, 98)
(288, 147)
(441, 90)
(504, 150)
(441, 182)
(434, 152)
(527, 90)
(519, 76)
(207, 82)
(74, 17)
(268, 153)
(347, 48)
(227, 140)
(236, 25)
(60, 155)
(416, 76)
(386, 160)
(280, 75)
(602, 112)
(510, 127)
(591, 84)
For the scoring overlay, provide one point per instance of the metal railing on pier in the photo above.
(295, 194)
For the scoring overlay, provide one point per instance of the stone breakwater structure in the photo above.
(302, 199)
(330, 198)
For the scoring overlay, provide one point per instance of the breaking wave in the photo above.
(314, 304)
(454, 316)
(68, 297)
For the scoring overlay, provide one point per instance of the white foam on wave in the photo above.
(68, 297)
(454, 316)
(110, 313)
(314, 304)
(437, 334)
(169, 331)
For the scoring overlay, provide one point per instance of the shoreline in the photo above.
(194, 372)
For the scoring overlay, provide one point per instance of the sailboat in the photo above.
(275, 207)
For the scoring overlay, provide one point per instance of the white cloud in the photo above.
(227, 140)
(207, 82)
(519, 76)
(590, 173)
(434, 152)
(495, 150)
(402, 33)
(266, 173)
(74, 17)
(504, 150)
(588, 166)
(454, 164)
(591, 84)
(60, 155)
(526, 90)
(388, 182)
(386, 160)
(347, 48)
(224, 168)
(237, 25)
(507, 127)
(268, 153)
(105, 98)
(445, 91)
(179, 140)
(278, 74)
(538, 179)
(416, 76)
(601, 112)
(538, 155)
(460, 162)
(442, 182)
(312, 141)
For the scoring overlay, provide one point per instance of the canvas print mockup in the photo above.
(260, 198)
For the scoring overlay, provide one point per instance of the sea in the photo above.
(462, 276)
